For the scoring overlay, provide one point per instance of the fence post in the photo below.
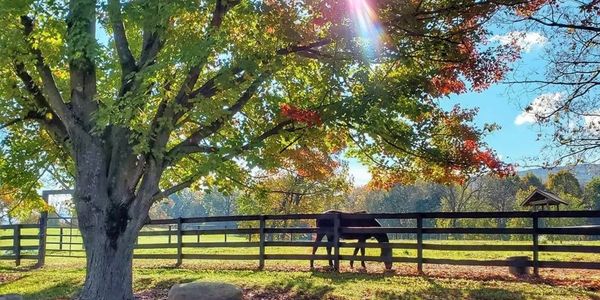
(71, 237)
(170, 234)
(261, 234)
(198, 237)
(536, 246)
(420, 243)
(17, 243)
(225, 234)
(60, 239)
(179, 242)
(42, 234)
(336, 242)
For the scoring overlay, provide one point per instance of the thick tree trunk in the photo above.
(109, 269)
(110, 216)
(108, 235)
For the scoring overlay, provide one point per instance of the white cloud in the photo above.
(525, 118)
(541, 106)
(592, 122)
(527, 41)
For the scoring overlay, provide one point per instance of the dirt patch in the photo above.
(249, 294)
(281, 294)
(9, 277)
(587, 279)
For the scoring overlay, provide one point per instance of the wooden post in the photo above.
(336, 242)
(42, 234)
(17, 243)
(170, 234)
(70, 236)
(420, 244)
(261, 251)
(536, 246)
(60, 239)
(198, 237)
(179, 243)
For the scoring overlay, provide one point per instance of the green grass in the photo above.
(55, 282)
(76, 248)
(62, 277)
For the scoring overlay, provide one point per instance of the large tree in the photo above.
(591, 194)
(140, 99)
(568, 104)
(564, 182)
(530, 180)
(499, 194)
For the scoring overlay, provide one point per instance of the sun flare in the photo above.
(367, 25)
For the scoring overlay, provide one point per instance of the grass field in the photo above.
(72, 245)
(62, 277)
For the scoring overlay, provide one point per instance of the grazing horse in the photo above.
(386, 252)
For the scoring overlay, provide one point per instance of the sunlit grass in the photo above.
(72, 245)
(56, 281)
(62, 277)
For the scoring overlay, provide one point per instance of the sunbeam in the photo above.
(367, 26)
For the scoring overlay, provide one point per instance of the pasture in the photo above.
(63, 276)
(166, 254)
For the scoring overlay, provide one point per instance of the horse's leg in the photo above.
(362, 253)
(315, 247)
(329, 240)
(353, 255)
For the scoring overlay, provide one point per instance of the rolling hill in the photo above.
(583, 172)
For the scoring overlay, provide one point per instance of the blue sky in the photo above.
(502, 103)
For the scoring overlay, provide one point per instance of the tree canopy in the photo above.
(564, 182)
(132, 101)
(193, 85)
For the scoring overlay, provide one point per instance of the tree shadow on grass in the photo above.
(297, 288)
(65, 289)
(437, 292)
(343, 277)
(434, 291)
(495, 294)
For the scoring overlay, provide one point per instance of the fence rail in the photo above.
(66, 241)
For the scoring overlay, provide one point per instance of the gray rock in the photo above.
(204, 291)
(11, 297)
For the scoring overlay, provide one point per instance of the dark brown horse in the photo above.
(386, 252)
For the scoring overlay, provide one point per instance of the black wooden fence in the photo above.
(260, 226)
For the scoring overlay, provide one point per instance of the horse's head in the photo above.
(386, 255)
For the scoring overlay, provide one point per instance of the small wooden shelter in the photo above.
(543, 200)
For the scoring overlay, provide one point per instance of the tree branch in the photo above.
(562, 25)
(54, 99)
(54, 125)
(205, 131)
(301, 48)
(81, 35)
(127, 60)
(193, 178)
